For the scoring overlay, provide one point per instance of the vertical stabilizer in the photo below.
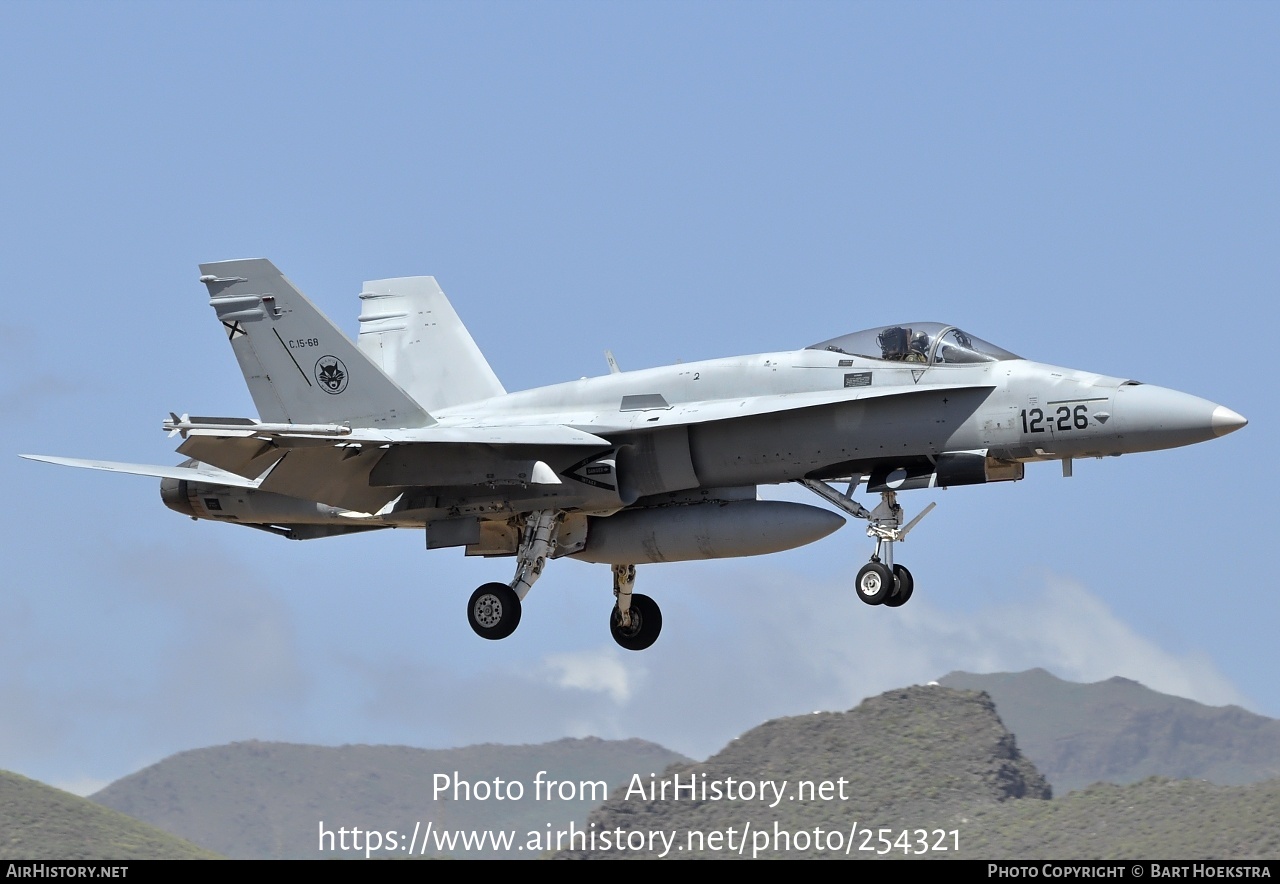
(409, 328)
(299, 367)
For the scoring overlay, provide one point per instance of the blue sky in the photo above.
(1091, 185)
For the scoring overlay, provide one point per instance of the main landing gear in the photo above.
(494, 609)
(880, 581)
(636, 619)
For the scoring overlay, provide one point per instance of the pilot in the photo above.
(918, 351)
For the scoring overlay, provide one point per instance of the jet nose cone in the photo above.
(1224, 421)
(1153, 417)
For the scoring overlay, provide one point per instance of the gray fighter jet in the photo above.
(410, 428)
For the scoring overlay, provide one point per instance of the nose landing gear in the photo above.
(880, 581)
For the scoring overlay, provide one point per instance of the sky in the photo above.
(1089, 185)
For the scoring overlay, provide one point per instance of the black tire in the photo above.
(874, 583)
(904, 585)
(646, 623)
(494, 611)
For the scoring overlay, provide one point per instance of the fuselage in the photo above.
(1016, 409)
(961, 412)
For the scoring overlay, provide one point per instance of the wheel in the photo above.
(903, 586)
(494, 611)
(646, 623)
(875, 583)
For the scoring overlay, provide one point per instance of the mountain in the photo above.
(921, 772)
(43, 823)
(926, 770)
(897, 760)
(270, 800)
(1118, 731)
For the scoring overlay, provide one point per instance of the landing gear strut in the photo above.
(880, 581)
(494, 609)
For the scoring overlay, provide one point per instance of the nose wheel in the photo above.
(903, 586)
(878, 584)
(880, 581)
(875, 583)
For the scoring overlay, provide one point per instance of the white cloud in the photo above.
(599, 670)
(819, 648)
(1060, 626)
(766, 644)
(1079, 638)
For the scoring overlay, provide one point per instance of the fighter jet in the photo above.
(409, 427)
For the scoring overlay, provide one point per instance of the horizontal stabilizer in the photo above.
(202, 473)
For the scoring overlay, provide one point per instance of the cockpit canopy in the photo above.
(931, 343)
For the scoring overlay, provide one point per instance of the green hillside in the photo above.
(41, 822)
